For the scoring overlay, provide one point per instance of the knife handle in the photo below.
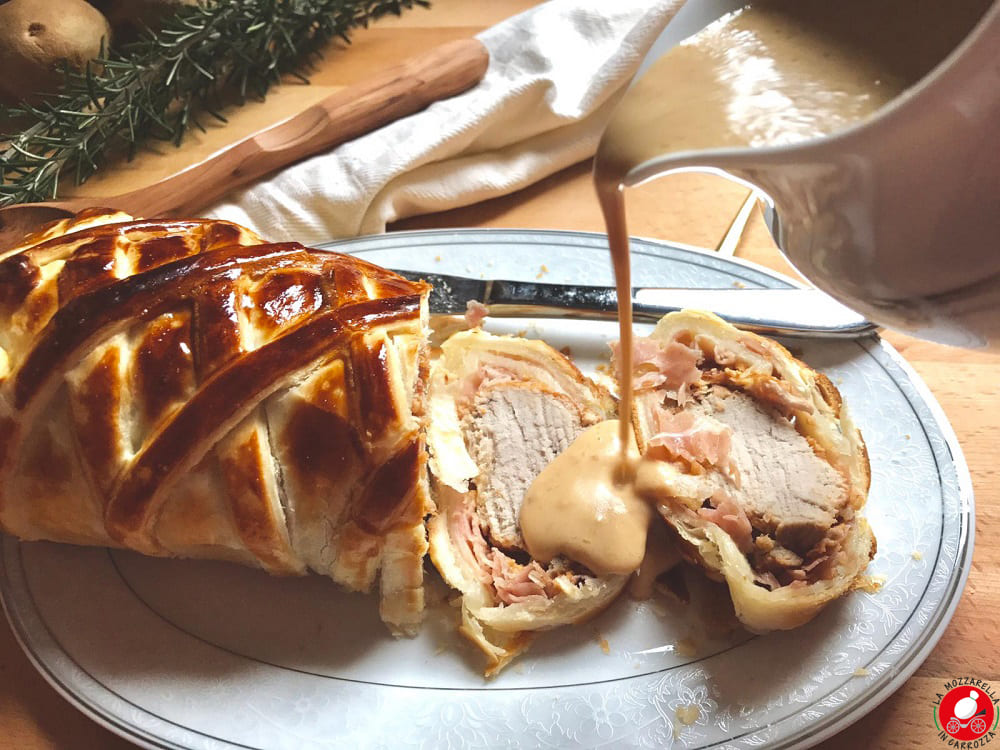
(777, 312)
(784, 312)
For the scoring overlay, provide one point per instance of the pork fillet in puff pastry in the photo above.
(501, 408)
(758, 467)
(179, 388)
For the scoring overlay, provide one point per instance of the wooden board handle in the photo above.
(346, 114)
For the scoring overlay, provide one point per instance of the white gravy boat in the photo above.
(897, 217)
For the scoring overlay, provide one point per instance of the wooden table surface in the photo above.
(693, 209)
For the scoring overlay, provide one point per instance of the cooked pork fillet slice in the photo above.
(758, 467)
(512, 433)
(784, 487)
(501, 409)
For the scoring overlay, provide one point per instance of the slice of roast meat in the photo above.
(513, 432)
(785, 489)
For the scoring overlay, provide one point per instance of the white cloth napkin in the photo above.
(555, 73)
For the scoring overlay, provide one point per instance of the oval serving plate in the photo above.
(192, 654)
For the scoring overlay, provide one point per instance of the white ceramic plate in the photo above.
(173, 653)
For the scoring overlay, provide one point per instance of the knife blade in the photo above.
(780, 312)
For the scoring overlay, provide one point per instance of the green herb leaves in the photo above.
(158, 86)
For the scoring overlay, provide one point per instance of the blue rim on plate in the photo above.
(863, 648)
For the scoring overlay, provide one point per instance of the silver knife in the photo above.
(780, 312)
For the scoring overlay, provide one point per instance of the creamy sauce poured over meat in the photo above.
(581, 507)
(662, 555)
(772, 74)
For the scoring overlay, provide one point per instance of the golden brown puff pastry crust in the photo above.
(180, 388)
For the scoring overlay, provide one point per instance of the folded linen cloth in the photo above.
(554, 76)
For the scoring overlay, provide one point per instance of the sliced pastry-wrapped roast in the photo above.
(181, 388)
(752, 457)
(500, 410)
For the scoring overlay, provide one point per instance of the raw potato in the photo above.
(38, 36)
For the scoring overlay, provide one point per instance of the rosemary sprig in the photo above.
(155, 87)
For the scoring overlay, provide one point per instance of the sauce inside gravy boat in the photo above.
(873, 127)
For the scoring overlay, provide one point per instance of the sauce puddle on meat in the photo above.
(774, 73)
(583, 507)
